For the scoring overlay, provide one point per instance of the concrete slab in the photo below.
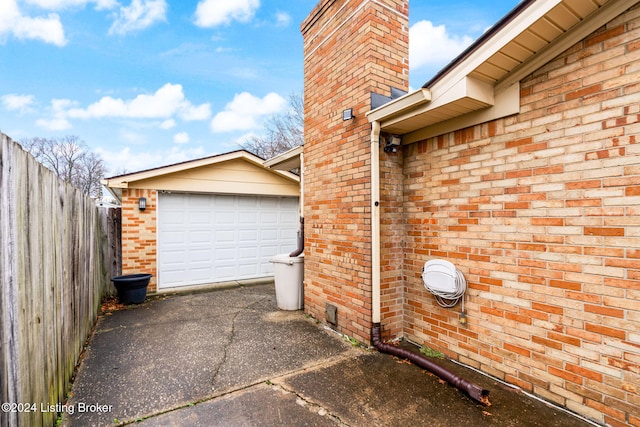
(262, 405)
(231, 358)
(378, 389)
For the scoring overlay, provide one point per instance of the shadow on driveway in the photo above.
(231, 358)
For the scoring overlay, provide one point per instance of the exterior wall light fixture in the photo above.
(142, 203)
(348, 114)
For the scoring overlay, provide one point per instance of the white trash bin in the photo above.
(289, 276)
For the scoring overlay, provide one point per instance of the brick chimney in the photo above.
(351, 49)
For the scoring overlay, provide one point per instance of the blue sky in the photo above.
(152, 82)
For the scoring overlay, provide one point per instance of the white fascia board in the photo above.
(399, 105)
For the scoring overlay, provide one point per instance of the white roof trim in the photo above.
(286, 161)
(400, 105)
(123, 181)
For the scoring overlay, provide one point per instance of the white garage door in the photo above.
(208, 238)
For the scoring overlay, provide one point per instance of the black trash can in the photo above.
(132, 288)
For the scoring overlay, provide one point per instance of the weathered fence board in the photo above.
(55, 266)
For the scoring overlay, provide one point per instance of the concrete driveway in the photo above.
(231, 358)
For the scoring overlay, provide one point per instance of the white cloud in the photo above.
(433, 46)
(20, 103)
(142, 160)
(63, 4)
(54, 124)
(58, 119)
(191, 113)
(13, 23)
(181, 138)
(168, 124)
(245, 110)
(283, 19)
(163, 104)
(132, 137)
(139, 15)
(211, 13)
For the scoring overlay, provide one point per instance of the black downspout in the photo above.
(476, 392)
(300, 247)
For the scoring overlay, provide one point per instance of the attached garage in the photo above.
(207, 221)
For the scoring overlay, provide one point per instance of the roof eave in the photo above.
(400, 105)
(285, 161)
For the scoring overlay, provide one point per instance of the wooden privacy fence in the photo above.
(54, 267)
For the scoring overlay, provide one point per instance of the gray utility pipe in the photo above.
(476, 392)
(300, 247)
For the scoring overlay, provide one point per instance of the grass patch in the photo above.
(429, 352)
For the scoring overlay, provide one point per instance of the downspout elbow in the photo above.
(474, 391)
(300, 247)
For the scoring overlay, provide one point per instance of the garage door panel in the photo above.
(200, 237)
(200, 275)
(269, 217)
(248, 217)
(172, 237)
(245, 253)
(200, 256)
(222, 272)
(248, 269)
(225, 236)
(175, 259)
(287, 217)
(247, 202)
(272, 203)
(269, 234)
(200, 218)
(222, 254)
(248, 236)
(173, 217)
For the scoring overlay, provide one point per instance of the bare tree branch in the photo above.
(69, 158)
(282, 131)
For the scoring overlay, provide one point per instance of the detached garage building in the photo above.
(205, 221)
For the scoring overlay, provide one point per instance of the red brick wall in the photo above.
(392, 230)
(541, 212)
(139, 234)
(347, 54)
